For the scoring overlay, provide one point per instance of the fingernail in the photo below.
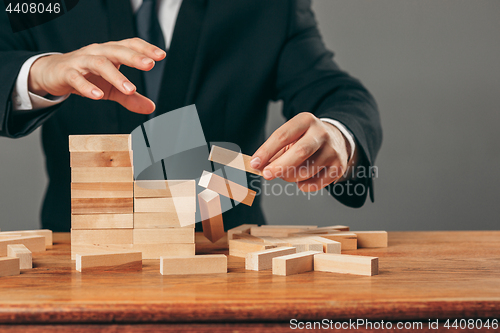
(96, 93)
(255, 163)
(147, 61)
(128, 86)
(159, 52)
(267, 174)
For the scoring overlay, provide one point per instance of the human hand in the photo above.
(305, 150)
(93, 72)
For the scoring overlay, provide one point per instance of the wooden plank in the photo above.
(9, 266)
(347, 240)
(155, 251)
(35, 244)
(164, 188)
(233, 159)
(262, 260)
(170, 235)
(102, 190)
(100, 249)
(101, 159)
(102, 236)
(277, 231)
(240, 247)
(347, 264)
(23, 253)
(202, 264)
(329, 246)
(159, 205)
(326, 230)
(164, 220)
(102, 175)
(102, 221)
(102, 206)
(131, 261)
(370, 239)
(211, 215)
(303, 244)
(98, 143)
(227, 188)
(41, 232)
(244, 228)
(294, 263)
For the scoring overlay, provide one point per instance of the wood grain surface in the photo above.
(422, 275)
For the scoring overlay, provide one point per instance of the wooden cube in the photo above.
(23, 253)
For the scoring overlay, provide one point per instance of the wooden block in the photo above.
(170, 235)
(258, 261)
(155, 251)
(227, 188)
(274, 241)
(34, 243)
(294, 263)
(202, 264)
(23, 253)
(347, 240)
(277, 231)
(9, 266)
(164, 220)
(98, 143)
(326, 230)
(131, 261)
(101, 159)
(164, 188)
(102, 190)
(211, 215)
(159, 205)
(100, 249)
(102, 221)
(102, 236)
(329, 246)
(240, 247)
(371, 238)
(41, 232)
(233, 159)
(242, 229)
(344, 263)
(102, 175)
(303, 244)
(248, 237)
(102, 206)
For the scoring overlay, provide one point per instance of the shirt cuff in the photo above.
(23, 99)
(347, 134)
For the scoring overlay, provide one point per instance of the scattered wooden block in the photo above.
(102, 190)
(344, 263)
(303, 244)
(211, 215)
(102, 175)
(98, 143)
(278, 231)
(347, 240)
(34, 243)
(201, 264)
(327, 230)
(131, 261)
(41, 232)
(102, 236)
(294, 263)
(329, 246)
(102, 206)
(274, 241)
(242, 229)
(101, 159)
(240, 247)
(102, 221)
(155, 251)
(371, 238)
(227, 188)
(9, 266)
(248, 237)
(164, 220)
(159, 205)
(164, 188)
(170, 235)
(233, 159)
(23, 253)
(258, 261)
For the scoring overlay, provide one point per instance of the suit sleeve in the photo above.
(308, 80)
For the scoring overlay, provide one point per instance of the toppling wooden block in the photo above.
(233, 159)
(23, 253)
(9, 266)
(164, 188)
(347, 240)
(227, 188)
(329, 246)
(240, 247)
(294, 263)
(201, 264)
(167, 235)
(102, 175)
(344, 263)
(161, 205)
(102, 190)
(23, 233)
(33, 243)
(98, 143)
(101, 159)
(102, 236)
(279, 231)
(131, 261)
(262, 260)
(211, 215)
(368, 239)
(242, 229)
(161, 220)
(102, 221)
(102, 206)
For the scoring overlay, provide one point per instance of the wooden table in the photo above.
(423, 275)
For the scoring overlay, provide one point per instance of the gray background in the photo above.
(434, 69)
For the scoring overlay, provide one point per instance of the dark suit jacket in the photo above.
(228, 57)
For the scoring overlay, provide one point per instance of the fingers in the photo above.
(101, 66)
(135, 102)
(144, 47)
(322, 179)
(83, 87)
(119, 54)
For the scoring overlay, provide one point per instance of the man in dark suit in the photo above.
(228, 57)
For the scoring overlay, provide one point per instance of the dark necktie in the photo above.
(148, 28)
